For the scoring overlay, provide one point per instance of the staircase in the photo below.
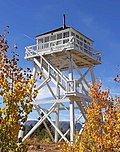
(54, 74)
(51, 72)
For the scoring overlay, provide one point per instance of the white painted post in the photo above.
(34, 71)
(57, 111)
(21, 132)
(92, 75)
(72, 124)
(56, 123)
(72, 121)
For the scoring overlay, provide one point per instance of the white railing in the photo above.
(73, 87)
(54, 72)
(69, 86)
(50, 46)
(86, 49)
(60, 44)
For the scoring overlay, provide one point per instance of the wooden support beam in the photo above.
(72, 121)
(78, 70)
(43, 84)
(67, 108)
(40, 122)
(62, 135)
(83, 75)
(50, 101)
(47, 128)
(81, 59)
(81, 109)
(92, 75)
(57, 110)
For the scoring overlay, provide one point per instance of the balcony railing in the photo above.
(62, 44)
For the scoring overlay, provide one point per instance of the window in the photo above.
(81, 38)
(53, 37)
(40, 41)
(78, 42)
(47, 39)
(85, 46)
(66, 34)
(72, 34)
(77, 36)
(59, 36)
(88, 43)
(46, 45)
(81, 48)
(81, 43)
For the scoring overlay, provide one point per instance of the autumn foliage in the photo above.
(102, 128)
(16, 91)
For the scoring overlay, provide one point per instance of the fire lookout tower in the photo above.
(65, 57)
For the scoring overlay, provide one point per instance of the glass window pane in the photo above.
(77, 36)
(46, 45)
(53, 37)
(81, 43)
(47, 39)
(59, 36)
(66, 34)
(78, 42)
(40, 41)
(72, 34)
(81, 38)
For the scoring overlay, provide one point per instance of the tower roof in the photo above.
(55, 30)
(60, 29)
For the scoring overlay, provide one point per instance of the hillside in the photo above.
(64, 125)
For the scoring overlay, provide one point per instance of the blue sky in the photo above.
(99, 20)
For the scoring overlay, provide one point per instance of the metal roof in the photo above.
(60, 29)
(55, 30)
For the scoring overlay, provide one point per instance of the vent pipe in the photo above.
(64, 21)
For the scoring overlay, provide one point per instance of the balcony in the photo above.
(64, 44)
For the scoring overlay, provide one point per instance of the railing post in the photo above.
(48, 70)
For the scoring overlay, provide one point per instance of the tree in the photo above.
(102, 128)
(16, 90)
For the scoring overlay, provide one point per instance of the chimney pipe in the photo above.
(64, 21)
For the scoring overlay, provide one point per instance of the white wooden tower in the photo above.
(66, 58)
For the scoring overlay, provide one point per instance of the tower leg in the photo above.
(92, 75)
(57, 112)
(57, 124)
(72, 122)
(21, 132)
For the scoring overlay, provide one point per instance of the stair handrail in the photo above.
(55, 69)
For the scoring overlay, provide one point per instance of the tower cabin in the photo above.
(55, 44)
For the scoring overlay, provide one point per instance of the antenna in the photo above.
(64, 21)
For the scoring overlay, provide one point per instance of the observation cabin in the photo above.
(55, 44)
(56, 51)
